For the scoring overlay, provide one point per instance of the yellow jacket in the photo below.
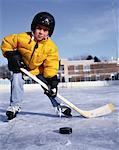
(44, 59)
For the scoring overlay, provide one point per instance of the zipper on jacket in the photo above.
(35, 47)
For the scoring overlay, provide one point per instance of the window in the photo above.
(62, 67)
(86, 68)
(76, 69)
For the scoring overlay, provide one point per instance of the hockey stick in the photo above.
(104, 110)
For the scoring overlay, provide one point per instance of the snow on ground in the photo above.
(37, 126)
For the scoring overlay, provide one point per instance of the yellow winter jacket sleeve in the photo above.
(9, 43)
(44, 59)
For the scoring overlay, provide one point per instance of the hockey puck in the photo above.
(65, 130)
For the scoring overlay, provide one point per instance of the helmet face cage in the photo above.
(45, 19)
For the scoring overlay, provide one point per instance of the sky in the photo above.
(83, 27)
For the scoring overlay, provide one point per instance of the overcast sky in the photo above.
(82, 26)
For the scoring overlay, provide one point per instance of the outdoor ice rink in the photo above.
(36, 127)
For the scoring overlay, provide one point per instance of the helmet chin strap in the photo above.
(32, 38)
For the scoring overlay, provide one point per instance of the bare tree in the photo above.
(4, 72)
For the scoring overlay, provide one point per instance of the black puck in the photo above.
(65, 130)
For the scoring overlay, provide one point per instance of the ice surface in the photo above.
(36, 127)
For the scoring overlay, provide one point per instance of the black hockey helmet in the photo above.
(45, 19)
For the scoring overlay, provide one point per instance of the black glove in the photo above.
(52, 84)
(14, 61)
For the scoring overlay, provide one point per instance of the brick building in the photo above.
(87, 70)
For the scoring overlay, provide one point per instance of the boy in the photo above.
(36, 52)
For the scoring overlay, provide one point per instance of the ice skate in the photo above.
(12, 111)
(63, 110)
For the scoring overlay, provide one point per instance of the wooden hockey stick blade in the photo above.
(100, 111)
(104, 110)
